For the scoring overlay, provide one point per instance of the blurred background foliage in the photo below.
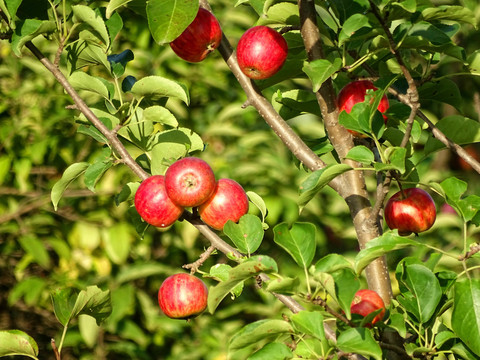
(90, 240)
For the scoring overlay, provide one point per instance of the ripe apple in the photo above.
(182, 296)
(354, 93)
(189, 181)
(412, 210)
(153, 203)
(199, 39)
(365, 302)
(228, 202)
(261, 52)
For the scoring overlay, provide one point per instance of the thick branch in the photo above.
(355, 193)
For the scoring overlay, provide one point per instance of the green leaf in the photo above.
(443, 91)
(318, 179)
(35, 247)
(257, 200)
(28, 30)
(127, 193)
(114, 5)
(171, 145)
(69, 303)
(310, 323)
(272, 351)
(389, 241)
(84, 14)
(320, 70)
(351, 25)
(82, 53)
(82, 81)
(95, 172)
(292, 103)
(466, 313)
(117, 240)
(159, 114)
(332, 262)
(70, 175)
(89, 330)
(424, 290)
(156, 87)
(168, 19)
(396, 158)
(283, 286)
(283, 13)
(247, 235)
(450, 13)
(457, 128)
(10, 7)
(141, 271)
(298, 241)
(346, 285)
(237, 275)
(16, 342)
(94, 302)
(114, 26)
(257, 331)
(361, 154)
(359, 341)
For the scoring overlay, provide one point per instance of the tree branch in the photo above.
(355, 193)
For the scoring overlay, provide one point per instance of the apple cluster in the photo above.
(190, 182)
(261, 51)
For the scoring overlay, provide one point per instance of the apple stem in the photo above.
(395, 175)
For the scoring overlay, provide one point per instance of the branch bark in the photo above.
(355, 193)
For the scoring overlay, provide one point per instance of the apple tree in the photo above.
(339, 171)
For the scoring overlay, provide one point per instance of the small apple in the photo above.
(182, 296)
(153, 203)
(199, 39)
(189, 181)
(412, 210)
(354, 93)
(228, 202)
(261, 52)
(365, 302)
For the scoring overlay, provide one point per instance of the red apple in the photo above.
(153, 203)
(354, 93)
(261, 52)
(412, 210)
(189, 181)
(365, 302)
(199, 39)
(228, 202)
(182, 296)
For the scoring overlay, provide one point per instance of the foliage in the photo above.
(79, 265)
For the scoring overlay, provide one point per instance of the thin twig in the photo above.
(203, 257)
(473, 250)
(55, 350)
(319, 301)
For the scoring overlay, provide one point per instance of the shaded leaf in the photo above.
(28, 30)
(84, 14)
(272, 351)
